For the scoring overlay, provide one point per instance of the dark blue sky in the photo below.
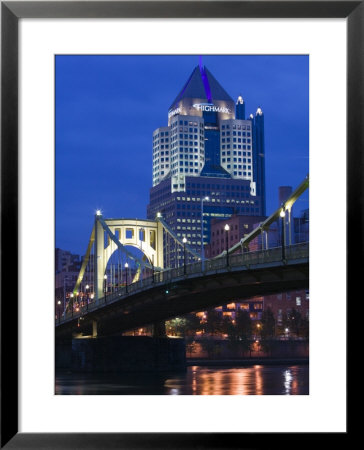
(107, 108)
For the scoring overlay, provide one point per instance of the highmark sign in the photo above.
(210, 107)
(174, 112)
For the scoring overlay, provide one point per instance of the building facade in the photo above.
(283, 305)
(239, 226)
(208, 162)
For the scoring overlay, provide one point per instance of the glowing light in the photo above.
(98, 212)
(288, 381)
(59, 302)
(240, 100)
(251, 116)
(105, 277)
(259, 112)
(227, 227)
(184, 240)
(87, 286)
(282, 213)
(159, 214)
(126, 265)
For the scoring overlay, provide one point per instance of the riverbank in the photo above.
(247, 362)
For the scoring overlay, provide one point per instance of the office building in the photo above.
(208, 162)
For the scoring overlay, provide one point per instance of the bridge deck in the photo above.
(247, 274)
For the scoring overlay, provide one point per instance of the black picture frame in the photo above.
(11, 12)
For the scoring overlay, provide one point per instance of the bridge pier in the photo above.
(118, 354)
(94, 329)
(159, 330)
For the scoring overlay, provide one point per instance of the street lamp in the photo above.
(283, 237)
(126, 277)
(59, 310)
(71, 301)
(258, 328)
(105, 286)
(184, 240)
(77, 302)
(87, 287)
(227, 228)
(64, 295)
(205, 199)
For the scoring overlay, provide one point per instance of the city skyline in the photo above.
(107, 108)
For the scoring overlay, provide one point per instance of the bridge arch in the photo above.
(146, 235)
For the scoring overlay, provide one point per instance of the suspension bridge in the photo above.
(170, 278)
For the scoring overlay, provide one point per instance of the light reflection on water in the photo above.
(197, 380)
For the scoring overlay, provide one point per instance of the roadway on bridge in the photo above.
(173, 293)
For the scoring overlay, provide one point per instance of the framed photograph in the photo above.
(42, 45)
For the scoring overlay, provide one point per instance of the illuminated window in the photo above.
(244, 306)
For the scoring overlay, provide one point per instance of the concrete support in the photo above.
(94, 329)
(118, 354)
(159, 329)
(160, 259)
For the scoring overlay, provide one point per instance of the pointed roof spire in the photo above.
(206, 83)
(202, 84)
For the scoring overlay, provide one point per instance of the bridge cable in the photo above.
(272, 218)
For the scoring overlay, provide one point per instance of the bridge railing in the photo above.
(227, 262)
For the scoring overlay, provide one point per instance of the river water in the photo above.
(197, 380)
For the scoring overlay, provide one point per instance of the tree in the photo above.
(285, 323)
(268, 324)
(243, 324)
(213, 324)
(193, 324)
(304, 329)
(208, 345)
(244, 330)
(191, 345)
(176, 326)
(295, 322)
(228, 327)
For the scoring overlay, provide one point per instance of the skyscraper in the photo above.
(208, 162)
